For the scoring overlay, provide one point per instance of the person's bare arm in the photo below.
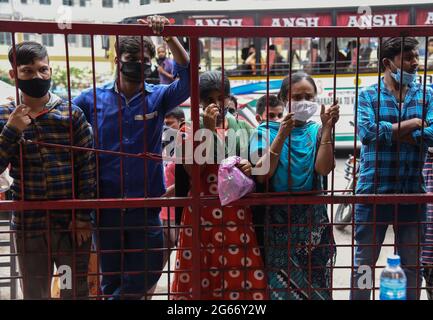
(406, 128)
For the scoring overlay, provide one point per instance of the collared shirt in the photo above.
(48, 171)
(135, 114)
(398, 171)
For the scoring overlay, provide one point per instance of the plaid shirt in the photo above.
(48, 171)
(408, 162)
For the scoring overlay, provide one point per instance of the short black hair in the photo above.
(176, 113)
(212, 80)
(391, 47)
(27, 52)
(296, 77)
(131, 44)
(272, 102)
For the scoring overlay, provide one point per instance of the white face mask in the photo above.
(303, 109)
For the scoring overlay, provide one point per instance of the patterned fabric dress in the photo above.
(231, 265)
(298, 238)
(427, 250)
(299, 260)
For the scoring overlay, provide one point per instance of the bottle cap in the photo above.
(394, 260)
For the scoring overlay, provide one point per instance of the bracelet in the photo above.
(274, 153)
(326, 142)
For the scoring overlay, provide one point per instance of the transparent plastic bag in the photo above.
(233, 184)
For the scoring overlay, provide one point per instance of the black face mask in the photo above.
(132, 70)
(35, 88)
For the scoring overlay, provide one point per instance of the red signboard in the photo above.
(424, 16)
(220, 21)
(373, 19)
(297, 20)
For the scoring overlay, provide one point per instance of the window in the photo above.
(27, 36)
(72, 40)
(68, 3)
(142, 2)
(24, 1)
(48, 40)
(4, 1)
(5, 38)
(123, 1)
(85, 41)
(107, 3)
(46, 2)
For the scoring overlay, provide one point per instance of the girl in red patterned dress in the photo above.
(230, 260)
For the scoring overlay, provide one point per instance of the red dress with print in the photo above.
(231, 264)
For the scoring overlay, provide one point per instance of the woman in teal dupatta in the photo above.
(298, 238)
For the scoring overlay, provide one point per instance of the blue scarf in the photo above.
(303, 156)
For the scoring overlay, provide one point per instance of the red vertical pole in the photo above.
(422, 224)
(122, 195)
(355, 131)
(22, 189)
(222, 102)
(96, 140)
(196, 211)
(334, 95)
(146, 270)
(289, 173)
(396, 223)
(376, 171)
(71, 139)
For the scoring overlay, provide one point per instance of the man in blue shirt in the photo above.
(126, 274)
(400, 152)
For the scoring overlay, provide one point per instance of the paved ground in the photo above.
(341, 276)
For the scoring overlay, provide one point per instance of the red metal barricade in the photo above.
(195, 200)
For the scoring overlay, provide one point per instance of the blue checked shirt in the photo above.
(409, 168)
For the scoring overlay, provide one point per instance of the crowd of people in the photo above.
(280, 252)
(316, 61)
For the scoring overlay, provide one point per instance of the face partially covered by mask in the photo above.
(33, 78)
(303, 109)
(408, 78)
(132, 70)
(35, 88)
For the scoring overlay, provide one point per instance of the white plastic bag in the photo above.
(5, 181)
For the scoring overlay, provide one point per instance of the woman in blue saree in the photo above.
(299, 240)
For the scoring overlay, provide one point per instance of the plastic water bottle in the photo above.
(393, 281)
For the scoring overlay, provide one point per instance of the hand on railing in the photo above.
(157, 23)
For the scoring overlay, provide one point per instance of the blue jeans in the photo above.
(406, 236)
(144, 267)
